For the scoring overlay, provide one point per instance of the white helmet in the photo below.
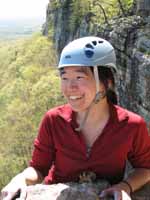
(88, 51)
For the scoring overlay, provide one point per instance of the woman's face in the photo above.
(78, 86)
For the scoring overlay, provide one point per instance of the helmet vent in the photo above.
(68, 56)
(100, 41)
(89, 53)
(94, 42)
(89, 46)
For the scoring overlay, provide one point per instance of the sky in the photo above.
(16, 9)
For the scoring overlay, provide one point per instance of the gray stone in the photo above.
(77, 191)
(71, 191)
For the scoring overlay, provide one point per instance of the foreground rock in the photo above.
(68, 191)
(76, 191)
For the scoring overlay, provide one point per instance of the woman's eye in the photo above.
(80, 77)
(64, 78)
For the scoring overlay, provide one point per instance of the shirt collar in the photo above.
(117, 113)
(65, 112)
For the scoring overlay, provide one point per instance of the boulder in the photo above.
(77, 191)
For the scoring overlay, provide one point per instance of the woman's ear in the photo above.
(110, 84)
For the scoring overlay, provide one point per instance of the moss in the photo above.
(144, 51)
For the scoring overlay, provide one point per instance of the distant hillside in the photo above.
(13, 29)
(28, 88)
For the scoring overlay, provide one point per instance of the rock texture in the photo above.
(57, 23)
(131, 40)
(129, 35)
(71, 191)
(143, 7)
(74, 191)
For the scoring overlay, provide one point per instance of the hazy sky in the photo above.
(22, 8)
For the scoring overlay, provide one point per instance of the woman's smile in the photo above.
(75, 97)
(76, 101)
(78, 86)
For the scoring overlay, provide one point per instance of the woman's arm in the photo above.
(138, 178)
(123, 190)
(29, 176)
(32, 176)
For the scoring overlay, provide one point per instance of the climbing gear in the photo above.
(88, 51)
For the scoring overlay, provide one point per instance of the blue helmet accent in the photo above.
(89, 53)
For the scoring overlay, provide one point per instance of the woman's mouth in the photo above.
(75, 97)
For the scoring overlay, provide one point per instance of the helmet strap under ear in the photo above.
(85, 118)
(98, 96)
(96, 78)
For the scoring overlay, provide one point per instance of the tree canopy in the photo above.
(29, 86)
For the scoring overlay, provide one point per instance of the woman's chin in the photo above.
(77, 108)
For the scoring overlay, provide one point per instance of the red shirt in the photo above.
(60, 152)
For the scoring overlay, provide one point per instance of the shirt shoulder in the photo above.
(63, 111)
(134, 124)
(131, 117)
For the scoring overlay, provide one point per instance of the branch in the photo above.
(96, 3)
(121, 7)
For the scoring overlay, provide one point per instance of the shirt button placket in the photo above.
(88, 151)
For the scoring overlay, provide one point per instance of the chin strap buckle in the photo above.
(99, 96)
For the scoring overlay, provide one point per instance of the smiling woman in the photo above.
(22, 9)
(89, 134)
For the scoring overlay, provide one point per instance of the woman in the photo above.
(90, 133)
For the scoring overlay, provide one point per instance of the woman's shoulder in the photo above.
(62, 110)
(130, 115)
(130, 119)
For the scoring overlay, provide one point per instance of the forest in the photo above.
(29, 86)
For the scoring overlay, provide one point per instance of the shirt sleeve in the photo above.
(139, 156)
(43, 153)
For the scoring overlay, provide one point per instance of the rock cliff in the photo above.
(129, 32)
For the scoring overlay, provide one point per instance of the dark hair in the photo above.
(106, 75)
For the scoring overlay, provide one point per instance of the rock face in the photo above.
(129, 35)
(58, 20)
(143, 7)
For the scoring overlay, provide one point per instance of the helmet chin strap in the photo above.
(98, 96)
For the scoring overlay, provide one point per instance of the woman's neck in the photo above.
(97, 119)
(98, 113)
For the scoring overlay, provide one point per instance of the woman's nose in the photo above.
(73, 84)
